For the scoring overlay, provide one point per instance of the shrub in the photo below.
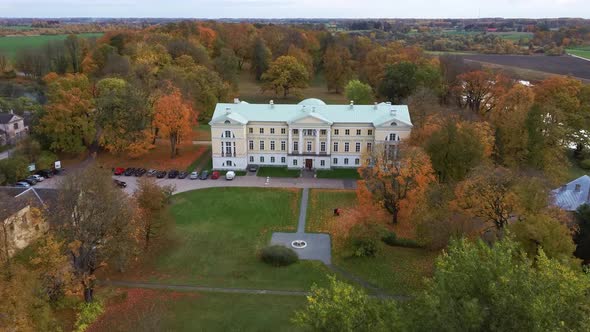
(278, 255)
(585, 164)
(364, 239)
(88, 314)
(392, 240)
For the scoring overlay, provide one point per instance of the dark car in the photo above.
(253, 168)
(172, 174)
(161, 174)
(31, 182)
(204, 175)
(182, 175)
(140, 172)
(46, 173)
(130, 171)
(120, 184)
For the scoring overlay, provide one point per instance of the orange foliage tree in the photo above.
(397, 177)
(481, 90)
(173, 116)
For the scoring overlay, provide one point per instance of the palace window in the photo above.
(272, 145)
(283, 131)
(272, 160)
(322, 163)
(323, 132)
(335, 161)
(335, 146)
(370, 132)
(228, 163)
(358, 132)
(283, 145)
(295, 146)
(346, 147)
(357, 161)
(357, 148)
(294, 162)
(261, 145)
(272, 130)
(283, 160)
(345, 161)
(261, 159)
(309, 146)
(251, 145)
(251, 130)
(392, 137)
(323, 146)
(295, 131)
(347, 132)
(251, 159)
(369, 147)
(336, 131)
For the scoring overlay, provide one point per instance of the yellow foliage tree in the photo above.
(174, 117)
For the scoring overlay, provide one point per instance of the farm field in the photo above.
(583, 52)
(11, 45)
(559, 65)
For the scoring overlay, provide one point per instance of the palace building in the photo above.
(309, 135)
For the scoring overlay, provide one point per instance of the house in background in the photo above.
(570, 196)
(20, 222)
(308, 135)
(12, 128)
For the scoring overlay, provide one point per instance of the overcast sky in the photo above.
(295, 8)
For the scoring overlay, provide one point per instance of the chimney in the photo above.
(272, 103)
(236, 100)
(227, 110)
(388, 103)
(351, 104)
(376, 106)
(578, 187)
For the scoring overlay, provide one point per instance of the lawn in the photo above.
(339, 173)
(278, 172)
(202, 161)
(218, 234)
(250, 91)
(11, 45)
(201, 132)
(395, 269)
(141, 310)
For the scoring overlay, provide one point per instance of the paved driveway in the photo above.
(240, 181)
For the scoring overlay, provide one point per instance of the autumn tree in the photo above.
(397, 177)
(480, 90)
(96, 221)
(153, 218)
(68, 118)
(359, 92)
(488, 194)
(74, 47)
(337, 67)
(174, 117)
(240, 38)
(53, 268)
(284, 75)
(478, 287)
(342, 307)
(454, 151)
(122, 117)
(261, 58)
(227, 65)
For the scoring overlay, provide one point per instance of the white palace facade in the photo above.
(309, 135)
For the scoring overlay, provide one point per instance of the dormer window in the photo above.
(227, 122)
(393, 124)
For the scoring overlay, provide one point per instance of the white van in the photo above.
(230, 175)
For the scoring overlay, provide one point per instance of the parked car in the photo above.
(21, 184)
(38, 177)
(32, 178)
(29, 181)
(182, 175)
(119, 171)
(161, 174)
(130, 171)
(46, 173)
(120, 184)
(204, 175)
(230, 175)
(253, 168)
(172, 174)
(140, 172)
(194, 175)
(215, 175)
(151, 172)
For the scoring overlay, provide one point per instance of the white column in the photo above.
(317, 142)
(290, 146)
(328, 143)
(300, 141)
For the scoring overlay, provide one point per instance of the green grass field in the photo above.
(394, 269)
(11, 45)
(278, 172)
(139, 310)
(583, 52)
(250, 91)
(217, 237)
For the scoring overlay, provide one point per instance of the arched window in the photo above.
(394, 124)
(227, 122)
